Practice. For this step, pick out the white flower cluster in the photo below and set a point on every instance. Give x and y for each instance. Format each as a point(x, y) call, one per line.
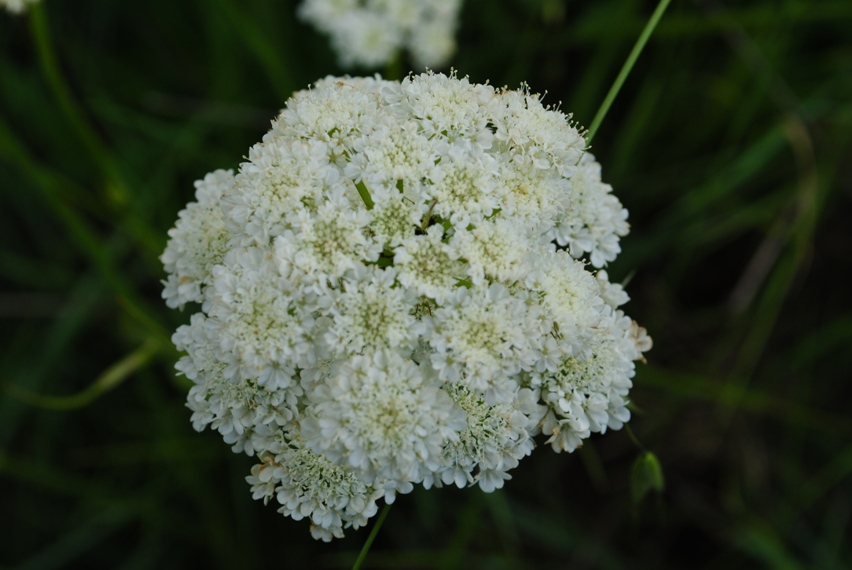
point(16, 6)
point(392, 292)
point(371, 32)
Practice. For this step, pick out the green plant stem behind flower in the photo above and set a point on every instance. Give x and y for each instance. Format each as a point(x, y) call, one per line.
point(625, 69)
point(112, 377)
point(116, 190)
point(76, 115)
point(369, 542)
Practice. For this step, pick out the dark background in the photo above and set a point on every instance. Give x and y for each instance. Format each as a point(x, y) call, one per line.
point(730, 144)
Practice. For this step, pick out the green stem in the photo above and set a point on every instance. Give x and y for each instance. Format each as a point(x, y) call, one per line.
point(393, 69)
point(633, 437)
point(116, 192)
point(365, 194)
point(626, 68)
point(80, 231)
point(257, 40)
point(74, 112)
point(111, 377)
point(371, 538)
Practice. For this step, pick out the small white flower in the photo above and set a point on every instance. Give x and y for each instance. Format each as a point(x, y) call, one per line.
point(429, 266)
point(365, 38)
point(394, 156)
point(198, 241)
point(373, 312)
point(589, 393)
point(495, 439)
point(433, 43)
point(323, 245)
point(17, 6)
point(245, 411)
point(495, 250)
point(383, 416)
point(464, 187)
point(570, 299)
point(595, 220)
point(370, 33)
point(265, 318)
point(481, 340)
point(613, 294)
point(309, 485)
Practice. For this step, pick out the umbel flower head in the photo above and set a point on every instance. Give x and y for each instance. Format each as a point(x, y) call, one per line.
point(396, 288)
point(16, 6)
point(370, 33)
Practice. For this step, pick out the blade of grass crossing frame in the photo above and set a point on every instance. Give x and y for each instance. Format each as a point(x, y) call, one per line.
point(47, 59)
point(626, 68)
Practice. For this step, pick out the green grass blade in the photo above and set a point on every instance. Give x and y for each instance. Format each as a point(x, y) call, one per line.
point(626, 68)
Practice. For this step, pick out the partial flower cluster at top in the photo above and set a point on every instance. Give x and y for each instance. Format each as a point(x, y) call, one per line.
point(16, 6)
point(396, 288)
point(371, 33)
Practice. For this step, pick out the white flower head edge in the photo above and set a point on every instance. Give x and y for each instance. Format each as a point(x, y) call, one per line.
point(396, 288)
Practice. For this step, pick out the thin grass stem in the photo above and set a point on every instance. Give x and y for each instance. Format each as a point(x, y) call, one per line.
point(111, 377)
point(393, 69)
point(373, 533)
point(87, 239)
point(76, 115)
point(626, 68)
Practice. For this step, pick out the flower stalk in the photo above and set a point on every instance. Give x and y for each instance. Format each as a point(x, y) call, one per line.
point(372, 536)
point(626, 68)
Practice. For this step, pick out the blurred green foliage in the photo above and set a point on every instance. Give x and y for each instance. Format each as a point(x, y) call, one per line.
point(730, 144)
